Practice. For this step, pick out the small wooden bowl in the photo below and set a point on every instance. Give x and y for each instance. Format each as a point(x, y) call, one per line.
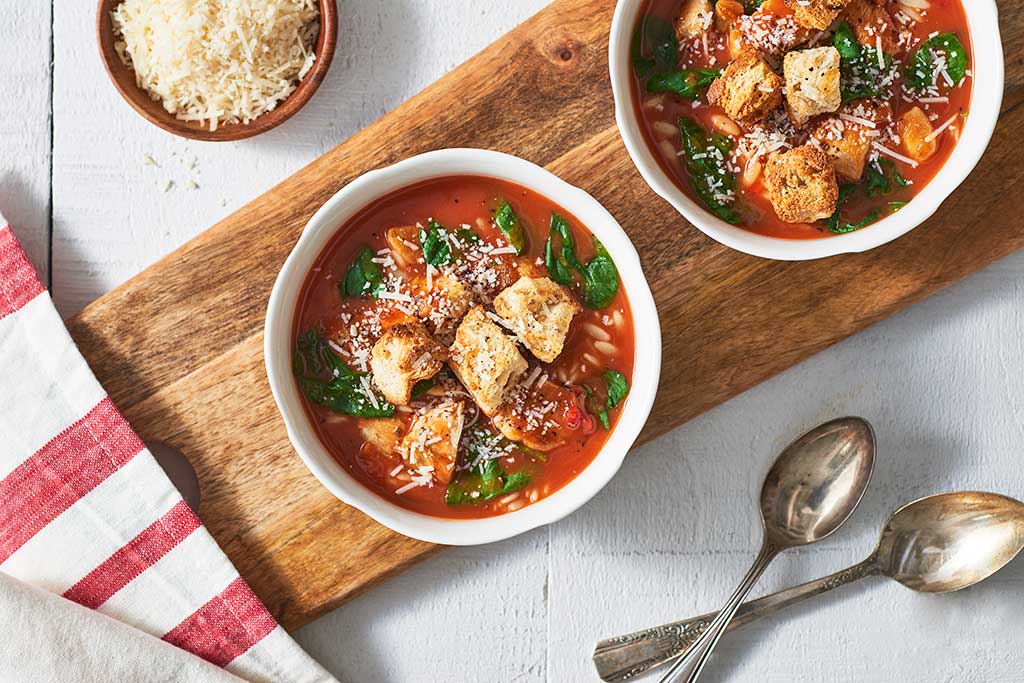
point(153, 110)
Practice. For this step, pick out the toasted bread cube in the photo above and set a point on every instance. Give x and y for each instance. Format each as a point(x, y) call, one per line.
point(404, 355)
point(816, 14)
point(486, 361)
point(812, 83)
point(748, 89)
point(802, 185)
point(915, 128)
point(539, 311)
point(848, 146)
point(433, 440)
point(694, 19)
point(872, 24)
point(444, 304)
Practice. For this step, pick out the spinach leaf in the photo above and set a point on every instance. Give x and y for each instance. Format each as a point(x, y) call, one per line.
point(560, 260)
point(836, 225)
point(705, 163)
point(896, 206)
point(751, 6)
point(877, 178)
point(510, 225)
point(919, 73)
point(618, 387)
point(655, 46)
point(860, 73)
point(363, 276)
point(325, 380)
point(852, 227)
point(689, 83)
point(602, 415)
point(434, 241)
point(482, 483)
point(422, 387)
point(600, 278)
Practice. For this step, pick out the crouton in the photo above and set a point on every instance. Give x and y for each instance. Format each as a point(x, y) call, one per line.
point(914, 127)
point(539, 311)
point(847, 144)
point(748, 89)
point(485, 360)
point(816, 14)
point(404, 355)
point(694, 19)
point(812, 83)
point(802, 185)
point(444, 304)
point(517, 419)
point(871, 24)
point(433, 440)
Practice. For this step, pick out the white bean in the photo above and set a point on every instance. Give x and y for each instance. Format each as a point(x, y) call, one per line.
point(725, 124)
point(512, 507)
point(667, 148)
point(505, 500)
point(665, 129)
point(606, 348)
point(590, 359)
point(597, 332)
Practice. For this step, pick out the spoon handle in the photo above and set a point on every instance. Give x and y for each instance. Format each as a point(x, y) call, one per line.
point(702, 649)
point(625, 657)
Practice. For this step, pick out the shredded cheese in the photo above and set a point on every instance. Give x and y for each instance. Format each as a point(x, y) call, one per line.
point(217, 61)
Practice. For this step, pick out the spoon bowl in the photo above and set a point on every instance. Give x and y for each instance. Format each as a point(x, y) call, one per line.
point(948, 542)
point(817, 482)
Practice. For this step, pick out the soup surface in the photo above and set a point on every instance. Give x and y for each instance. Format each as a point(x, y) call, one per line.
point(802, 118)
point(464, 347)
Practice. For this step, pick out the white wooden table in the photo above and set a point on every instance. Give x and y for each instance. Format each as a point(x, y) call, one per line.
point(943, 384)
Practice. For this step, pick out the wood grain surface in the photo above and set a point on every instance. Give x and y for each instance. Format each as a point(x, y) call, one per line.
point(179, 347)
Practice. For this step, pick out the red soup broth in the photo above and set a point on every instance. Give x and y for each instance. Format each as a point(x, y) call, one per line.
point(598, 340)
point(656, 111)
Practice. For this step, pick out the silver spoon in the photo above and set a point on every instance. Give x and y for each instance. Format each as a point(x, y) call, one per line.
point(812, 488)
point(934, 545)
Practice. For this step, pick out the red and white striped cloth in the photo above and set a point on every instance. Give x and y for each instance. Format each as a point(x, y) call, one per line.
point(87, 513)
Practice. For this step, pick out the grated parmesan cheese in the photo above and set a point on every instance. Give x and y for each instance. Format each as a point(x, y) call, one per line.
point(217, 61)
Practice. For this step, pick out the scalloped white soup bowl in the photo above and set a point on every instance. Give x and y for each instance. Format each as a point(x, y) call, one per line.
point(986, 98)
point(336, 213)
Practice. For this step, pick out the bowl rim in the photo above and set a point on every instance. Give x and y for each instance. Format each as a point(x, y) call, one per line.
point(319, 231)
point(152, 111)
point(986, 99)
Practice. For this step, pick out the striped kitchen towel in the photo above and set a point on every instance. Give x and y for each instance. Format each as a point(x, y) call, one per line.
point(87, 513)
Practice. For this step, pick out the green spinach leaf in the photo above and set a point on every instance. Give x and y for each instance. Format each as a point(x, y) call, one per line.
point(600, 278)
point(920, 72)
point(560, 258)
point(485, 482)
point(618, 387)
point(510, 225)
point(655, 46)
point(705, 163)
point(434, 242)
point(861, 75)
point(363, 276)
point(689, 84)
point(325, 380)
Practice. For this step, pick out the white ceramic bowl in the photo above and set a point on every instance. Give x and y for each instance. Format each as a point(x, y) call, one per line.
point(987, 95)
point(319, 231)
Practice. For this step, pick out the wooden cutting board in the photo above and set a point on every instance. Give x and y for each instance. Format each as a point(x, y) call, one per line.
point(179, 347)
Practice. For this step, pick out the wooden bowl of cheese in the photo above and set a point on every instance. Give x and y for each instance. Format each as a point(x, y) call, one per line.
point(217, 71)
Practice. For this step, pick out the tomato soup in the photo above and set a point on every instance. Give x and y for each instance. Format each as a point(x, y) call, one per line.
point(464, 347)
point(797, 121)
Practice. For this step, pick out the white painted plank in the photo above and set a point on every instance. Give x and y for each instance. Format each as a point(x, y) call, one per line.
point(25, 125)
